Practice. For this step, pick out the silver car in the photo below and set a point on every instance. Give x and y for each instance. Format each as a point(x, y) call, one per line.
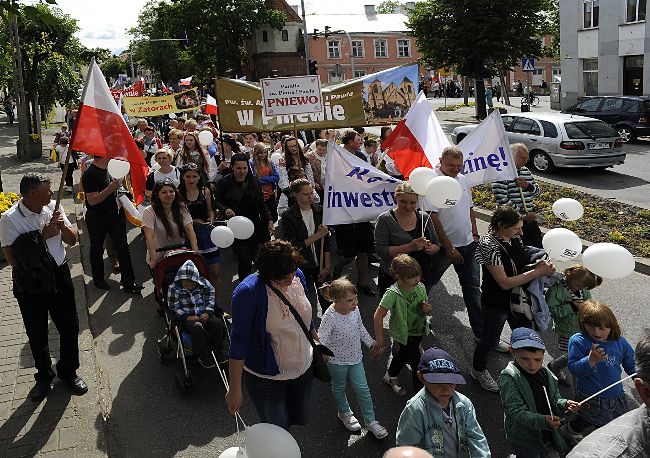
point(560, 140)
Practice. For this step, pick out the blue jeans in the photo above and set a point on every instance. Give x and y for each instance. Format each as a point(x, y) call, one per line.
point(599, 411)
point(357, 375)
point(281, 402)
point(524, 452)
point(469, 277)
point(493, 321)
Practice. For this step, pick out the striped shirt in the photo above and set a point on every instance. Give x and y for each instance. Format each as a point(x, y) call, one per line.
point(508, 193)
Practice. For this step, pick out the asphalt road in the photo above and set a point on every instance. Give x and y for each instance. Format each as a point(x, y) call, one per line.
point(148, 417)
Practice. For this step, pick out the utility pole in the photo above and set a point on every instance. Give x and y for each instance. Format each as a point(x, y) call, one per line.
point(305, 36)
point(22, 103)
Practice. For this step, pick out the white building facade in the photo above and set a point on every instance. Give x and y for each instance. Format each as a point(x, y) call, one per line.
point(604, 48)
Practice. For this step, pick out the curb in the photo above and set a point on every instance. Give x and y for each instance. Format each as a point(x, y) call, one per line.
point(642, 265)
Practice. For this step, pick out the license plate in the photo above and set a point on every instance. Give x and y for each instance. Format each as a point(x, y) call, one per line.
point(599, 145)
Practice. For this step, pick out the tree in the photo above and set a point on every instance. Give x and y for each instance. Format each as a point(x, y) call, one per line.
point(387, 7)
point(113, 66)
point(216, 32)
point(479, 37)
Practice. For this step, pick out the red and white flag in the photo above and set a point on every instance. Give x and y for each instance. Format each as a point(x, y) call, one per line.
point(186, 81)
point(100, 130)
point(210, 105)
point(165, 89)
point(418, 139)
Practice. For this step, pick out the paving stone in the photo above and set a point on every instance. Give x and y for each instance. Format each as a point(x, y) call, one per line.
point(67, 438)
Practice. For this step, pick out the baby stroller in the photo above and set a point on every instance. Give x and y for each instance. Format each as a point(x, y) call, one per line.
point(175, 338)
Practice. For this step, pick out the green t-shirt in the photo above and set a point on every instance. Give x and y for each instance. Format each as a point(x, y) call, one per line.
point(406, 319)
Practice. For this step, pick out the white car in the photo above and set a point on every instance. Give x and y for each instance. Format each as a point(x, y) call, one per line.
point(560, 140)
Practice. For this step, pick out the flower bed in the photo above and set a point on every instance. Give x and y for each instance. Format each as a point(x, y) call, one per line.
point(7, 199)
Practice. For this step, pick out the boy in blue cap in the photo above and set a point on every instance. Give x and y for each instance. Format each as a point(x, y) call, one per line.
point(438, 419)
point(530, 427)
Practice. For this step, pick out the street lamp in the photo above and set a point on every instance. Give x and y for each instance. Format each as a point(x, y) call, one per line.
point(150, 39)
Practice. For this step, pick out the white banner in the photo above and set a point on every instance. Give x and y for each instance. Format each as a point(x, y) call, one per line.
point(487, 153)
point(292, 95)
point(355, 191)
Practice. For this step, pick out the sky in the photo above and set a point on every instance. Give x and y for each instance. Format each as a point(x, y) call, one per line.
point(104, 23)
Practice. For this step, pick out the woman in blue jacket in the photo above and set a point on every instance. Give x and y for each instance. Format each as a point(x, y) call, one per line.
point(268, 348)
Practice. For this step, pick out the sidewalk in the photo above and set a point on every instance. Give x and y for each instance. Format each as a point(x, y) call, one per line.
point(62, 425)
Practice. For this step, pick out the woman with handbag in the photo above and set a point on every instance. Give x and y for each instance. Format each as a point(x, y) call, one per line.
point(503, 258)
point(271, 347)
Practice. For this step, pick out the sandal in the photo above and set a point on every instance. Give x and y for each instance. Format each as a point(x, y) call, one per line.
point(350, 421)
point(393, 382)
point(376, 429)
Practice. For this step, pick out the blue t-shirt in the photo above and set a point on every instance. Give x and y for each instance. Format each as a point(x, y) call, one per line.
point(592, 379)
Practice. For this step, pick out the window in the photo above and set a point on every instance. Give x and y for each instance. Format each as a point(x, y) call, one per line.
point(632, 107)
point(635, 10)
point(590, 76)
point(557, 72)
point(538, 72)
point(590, 13)
point(589, 130)
point(403, 48)
point(357, 48)
point(507, 122)
point(285, 35)
point(550, 130)
point(265, 36)
point(335, 77)
point(381, 48)
point(358, 73)
point(589, 106)
point(612, 105)
point(526, 126)
point(333, 49)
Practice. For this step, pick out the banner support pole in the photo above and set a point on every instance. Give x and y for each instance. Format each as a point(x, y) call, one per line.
point(218, 118)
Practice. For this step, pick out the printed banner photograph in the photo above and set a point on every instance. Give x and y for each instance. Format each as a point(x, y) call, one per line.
point(156, 106)
point(355, 191)
point(375, 99)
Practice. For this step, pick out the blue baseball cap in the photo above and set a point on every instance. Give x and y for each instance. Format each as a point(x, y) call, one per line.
point(436, 366)
point(525, 337)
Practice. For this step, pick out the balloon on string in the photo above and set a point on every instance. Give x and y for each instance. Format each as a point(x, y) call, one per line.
point(443, 192)
point(420, 178)
point(568, 209)
point(118, 168)
point(242, 227)
point(172, 115)
point(234, 452)
point(222, 236)
point(562, 244)
point(205, 137)
point(275, 158)
point(265, 440)
point(608, 260)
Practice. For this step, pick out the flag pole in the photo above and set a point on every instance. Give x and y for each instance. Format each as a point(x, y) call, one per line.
point(218, 117)
point(62, 183)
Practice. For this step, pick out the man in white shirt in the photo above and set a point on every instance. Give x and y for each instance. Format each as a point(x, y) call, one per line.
point(458, 235)
point(32, 236)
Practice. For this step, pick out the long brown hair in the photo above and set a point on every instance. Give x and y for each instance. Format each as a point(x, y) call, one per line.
point(185, 154)
point(257, 162)
point(177, 207)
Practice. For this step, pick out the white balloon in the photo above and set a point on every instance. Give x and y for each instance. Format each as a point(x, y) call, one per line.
point(420, 178)
point(443, 192)
point(222, 237)
point(241, 227)
point(265, 440)
point(205, 137)
point(275, 158)
point(561, 244)
point(118, 168)
point(608, 260)
point(301, 144)
point(568, 209)
point(234, 452)
point(172, 115)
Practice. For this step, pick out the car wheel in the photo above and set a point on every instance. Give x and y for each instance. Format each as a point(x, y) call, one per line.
point(626, 133)
point(542, 162)
point(460, 138)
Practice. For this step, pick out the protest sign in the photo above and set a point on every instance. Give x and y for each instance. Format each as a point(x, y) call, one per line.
point(292, 95)
point(156, 106)
point(355, 191)
point(376, 99)
point(487, 153)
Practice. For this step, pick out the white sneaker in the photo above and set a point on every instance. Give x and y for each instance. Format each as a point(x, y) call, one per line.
point(350, 421)
point(393, 382)
point(376, 429)
point(502, 347)
point(485, 380)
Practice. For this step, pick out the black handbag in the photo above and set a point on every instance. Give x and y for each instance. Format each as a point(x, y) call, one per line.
point(318, 364)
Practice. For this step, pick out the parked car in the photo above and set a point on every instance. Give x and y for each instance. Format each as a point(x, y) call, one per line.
point(560, 140)
point(629, 115)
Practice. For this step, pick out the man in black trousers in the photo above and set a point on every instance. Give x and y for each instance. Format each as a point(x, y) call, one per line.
point(103, 217)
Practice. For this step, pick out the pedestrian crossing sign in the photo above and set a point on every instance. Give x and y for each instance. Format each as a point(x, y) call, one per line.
point(528, 64)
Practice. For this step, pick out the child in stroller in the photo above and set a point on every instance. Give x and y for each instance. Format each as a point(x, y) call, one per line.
point(191, 298)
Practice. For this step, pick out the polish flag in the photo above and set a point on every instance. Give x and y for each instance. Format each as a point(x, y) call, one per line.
point(100, 130)
point(210, 105)
point(418, 139)
point(186, 81)
point(165, 89)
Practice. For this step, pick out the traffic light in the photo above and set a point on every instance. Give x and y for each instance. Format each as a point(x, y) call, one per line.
point(327, 31)
point(313, 70)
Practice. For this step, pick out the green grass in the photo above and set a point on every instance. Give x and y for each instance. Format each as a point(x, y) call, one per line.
point(604, 220)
